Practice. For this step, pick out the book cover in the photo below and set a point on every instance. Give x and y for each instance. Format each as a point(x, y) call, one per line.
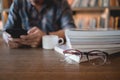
point(96, 32)
point(118, 2)
point(112, 22)
point(75, 4)
point(85, 3)
point(93, 3)
point(113, 3)
point(77, 58)
point(105, 3)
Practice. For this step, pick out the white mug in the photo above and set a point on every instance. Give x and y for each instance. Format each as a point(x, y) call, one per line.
point(50, 41)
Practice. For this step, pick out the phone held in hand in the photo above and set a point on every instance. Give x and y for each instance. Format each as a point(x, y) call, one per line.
point(16, 33)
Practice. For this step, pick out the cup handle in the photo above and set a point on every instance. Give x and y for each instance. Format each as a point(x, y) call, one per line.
point(61, 41)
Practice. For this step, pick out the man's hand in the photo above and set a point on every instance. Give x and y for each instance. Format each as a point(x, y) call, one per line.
point(11, 42)
point(34, 37)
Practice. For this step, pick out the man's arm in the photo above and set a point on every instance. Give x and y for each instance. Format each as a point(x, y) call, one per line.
point(13, 20)
point(59, 33)
point(66, 19)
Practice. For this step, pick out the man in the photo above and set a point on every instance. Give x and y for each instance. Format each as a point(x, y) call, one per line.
point(38, 17)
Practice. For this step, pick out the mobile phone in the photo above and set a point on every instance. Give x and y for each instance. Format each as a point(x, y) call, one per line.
point(16, 33)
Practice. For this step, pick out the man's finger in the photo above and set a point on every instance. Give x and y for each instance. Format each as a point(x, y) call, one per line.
point(32, 30)
point(16, 40)
point(28, 37)
point(13, 45)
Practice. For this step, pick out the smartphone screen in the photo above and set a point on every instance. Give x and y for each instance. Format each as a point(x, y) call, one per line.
point(16, 33)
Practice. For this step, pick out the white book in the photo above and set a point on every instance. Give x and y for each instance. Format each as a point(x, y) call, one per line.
point(102, 36)
point(85, 42)
point(76, 58)
point(76, 4)
point(81, 33)
point(93, 3)
point(95, 40)
point(97, 47)
point(92, 23)
point(105, 3)
point(94, 43)
point(84, 3)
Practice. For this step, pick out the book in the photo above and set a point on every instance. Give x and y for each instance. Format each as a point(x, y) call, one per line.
point(118, 2)
point(100, 3)
point(112, 22)
point(90, 20)
point(0, 6)
point(96, 32)
point(76, 4)
point(84, 20)
point(96, 47)
point(113, 3)
point(77, 58)
point(93, 3)
point(105, 3)
point(102, 22)
point(93, 39)
point(92, 23)
point(7, 3)
point(84, 3)
point(117, 22)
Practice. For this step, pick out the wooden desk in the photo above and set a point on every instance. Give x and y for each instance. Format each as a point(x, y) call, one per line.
point(39, 64)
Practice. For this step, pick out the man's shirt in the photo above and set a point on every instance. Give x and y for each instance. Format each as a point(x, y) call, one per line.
point(49, 18)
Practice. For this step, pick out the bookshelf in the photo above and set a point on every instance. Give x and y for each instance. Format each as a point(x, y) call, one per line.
point(0, 14)
point(0, 6)
point(88, 9)
point(5, 5)
point(96, 13)
point(115, 14)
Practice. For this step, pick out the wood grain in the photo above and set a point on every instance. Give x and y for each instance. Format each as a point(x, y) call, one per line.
point(39, 64)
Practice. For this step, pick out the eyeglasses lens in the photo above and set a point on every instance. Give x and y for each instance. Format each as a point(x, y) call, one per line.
point(97, 57)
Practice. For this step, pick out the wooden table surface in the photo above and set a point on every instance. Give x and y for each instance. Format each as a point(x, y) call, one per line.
point(39, 64)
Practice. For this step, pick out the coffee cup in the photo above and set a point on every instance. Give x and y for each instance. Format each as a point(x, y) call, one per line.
point(50, 41)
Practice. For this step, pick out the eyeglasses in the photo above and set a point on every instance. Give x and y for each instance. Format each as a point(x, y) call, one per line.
point(95, 57)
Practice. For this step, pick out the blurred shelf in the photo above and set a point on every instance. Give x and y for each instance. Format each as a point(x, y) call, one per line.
point(114, 8)
point(89, 9)
point(6, 10)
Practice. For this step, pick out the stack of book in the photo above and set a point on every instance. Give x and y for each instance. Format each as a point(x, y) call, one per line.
point(94, 39)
